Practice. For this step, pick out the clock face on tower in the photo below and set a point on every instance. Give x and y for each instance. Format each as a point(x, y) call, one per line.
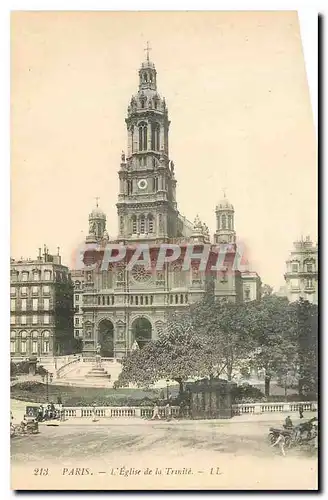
point(142, 184)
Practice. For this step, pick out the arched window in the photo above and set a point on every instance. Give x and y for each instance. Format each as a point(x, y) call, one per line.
point(150, 223)
point(155, 136)
point(143, 135)
point(224, 222)
point(142, 225)
point(103, 300)
point(146, 300)
point(134, 224)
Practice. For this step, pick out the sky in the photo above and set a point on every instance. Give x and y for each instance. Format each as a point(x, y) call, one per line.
point(238, 100)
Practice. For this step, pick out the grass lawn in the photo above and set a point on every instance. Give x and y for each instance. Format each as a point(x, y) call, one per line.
point(81, 396)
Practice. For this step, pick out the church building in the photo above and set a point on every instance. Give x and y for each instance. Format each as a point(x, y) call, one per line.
point(123, 309)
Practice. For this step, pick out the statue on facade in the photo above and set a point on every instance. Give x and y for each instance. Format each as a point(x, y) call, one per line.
point(98, 356)
point(135, 346)
point(172, 167)
point(123, 157)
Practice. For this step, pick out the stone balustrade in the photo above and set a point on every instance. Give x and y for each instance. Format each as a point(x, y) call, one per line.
point(259, 408)
point(63, 369)
point(90, 359)
point(147, 411)
point(117, 412)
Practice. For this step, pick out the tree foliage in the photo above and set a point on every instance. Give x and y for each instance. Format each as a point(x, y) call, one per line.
point(221, 338)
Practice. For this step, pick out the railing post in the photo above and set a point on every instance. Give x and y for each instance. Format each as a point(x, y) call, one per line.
point(257, 408)
point(138, 411)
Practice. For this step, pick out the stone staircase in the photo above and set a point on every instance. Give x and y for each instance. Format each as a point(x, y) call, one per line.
point(87, 373)
point(98, 372)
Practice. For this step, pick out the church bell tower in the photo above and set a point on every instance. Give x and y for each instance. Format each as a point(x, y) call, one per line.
point(146, 207)
point(225, 223)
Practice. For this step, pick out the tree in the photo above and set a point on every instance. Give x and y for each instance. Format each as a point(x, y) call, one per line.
point(223, 326)
point(206, 340)
point(266, 290)
point(174, 356)
point(272, 327)
point(306, 326)
point(77, 345)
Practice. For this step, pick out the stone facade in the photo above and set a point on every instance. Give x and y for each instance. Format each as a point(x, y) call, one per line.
point(122, 308)
point(302, 272)
point(78, 283)
point(41, 307)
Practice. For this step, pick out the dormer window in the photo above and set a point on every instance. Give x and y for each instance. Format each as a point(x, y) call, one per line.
point(295, 267)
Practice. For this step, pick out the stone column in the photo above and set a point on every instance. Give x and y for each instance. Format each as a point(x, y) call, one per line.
point(129, 141)
point(162, 139)
point(149, 136)
point(122, 186)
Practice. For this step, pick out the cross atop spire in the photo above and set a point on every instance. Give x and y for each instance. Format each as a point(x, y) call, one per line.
point(148, 49)
point(224, 192)
point(97, 198)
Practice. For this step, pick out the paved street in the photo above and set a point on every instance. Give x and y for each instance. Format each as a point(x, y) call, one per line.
point(238, 448)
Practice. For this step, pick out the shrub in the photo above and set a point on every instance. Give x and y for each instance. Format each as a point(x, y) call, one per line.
point(13, 369)
point(41, 371)
point(29, 385)
point(247, 393)
point(23, 367)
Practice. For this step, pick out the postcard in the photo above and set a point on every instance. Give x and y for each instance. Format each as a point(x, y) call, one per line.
point(164, 256)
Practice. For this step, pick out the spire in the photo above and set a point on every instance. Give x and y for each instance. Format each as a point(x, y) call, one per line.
point(148, 49)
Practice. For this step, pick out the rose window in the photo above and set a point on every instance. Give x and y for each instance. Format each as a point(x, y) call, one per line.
point(140, 274)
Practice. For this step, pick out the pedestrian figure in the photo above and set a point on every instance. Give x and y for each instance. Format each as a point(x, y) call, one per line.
point(168, 412)
point(40, 414)
point(301, 411)
point(281, 443)
point(288, 423)
point(23, 425)
point(155, 413)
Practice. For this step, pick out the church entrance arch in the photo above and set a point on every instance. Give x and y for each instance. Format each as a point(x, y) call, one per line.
point(106, 338)
point(141, 331)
